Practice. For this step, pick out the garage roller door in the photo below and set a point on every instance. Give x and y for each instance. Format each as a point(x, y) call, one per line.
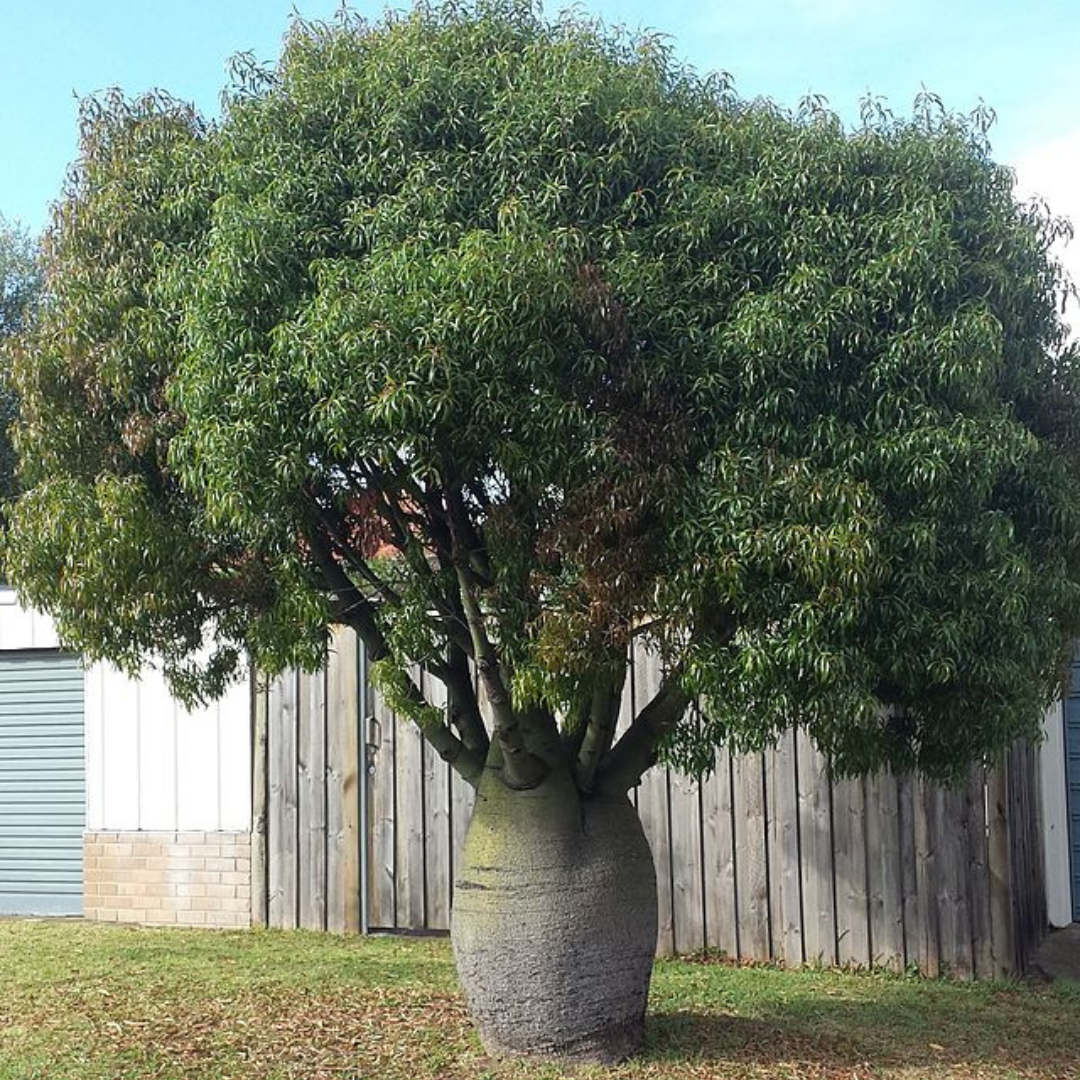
point(42, 784)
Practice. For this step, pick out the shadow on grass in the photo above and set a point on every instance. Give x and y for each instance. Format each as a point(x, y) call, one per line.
point(1033, 1034)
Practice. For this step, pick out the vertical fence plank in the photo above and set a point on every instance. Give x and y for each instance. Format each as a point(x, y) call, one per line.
point(382, 785)
point(653, 805)
point(927, 932)
point(1026, 885)
point(343, 785)
point(653, 810)
point(1025, 864)
point(311, 772)
point(721, 921)
point(282, 818)
point(687, 898)
point(260, 801)
point(978, 858)
point(1001, 914)
point(687, 871)
point(954, 897)
point(886, 891)
point(784, 856)
point(909, 886)
point(437, 819)
point(410, 812)
point(1035, 824)
point(751, 842)
point(1017, 854)
point(1037, 879)
point(942, 886)
point(852, 921)
point(816, 869)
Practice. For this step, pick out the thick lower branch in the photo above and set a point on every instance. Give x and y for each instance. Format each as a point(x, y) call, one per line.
point(467, 764)
point(405, 696)
point(354, 610)
point(521, 769)
point(463, 705)
point(600, 730)
point(576, 727)
point(349, 603)
point(636, 751)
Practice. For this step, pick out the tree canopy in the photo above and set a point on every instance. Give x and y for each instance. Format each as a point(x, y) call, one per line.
point(511, 341)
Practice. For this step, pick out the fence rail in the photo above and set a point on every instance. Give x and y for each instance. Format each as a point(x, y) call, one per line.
point(359, 824)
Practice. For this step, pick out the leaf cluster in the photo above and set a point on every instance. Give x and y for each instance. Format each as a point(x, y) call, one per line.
point(20, 290)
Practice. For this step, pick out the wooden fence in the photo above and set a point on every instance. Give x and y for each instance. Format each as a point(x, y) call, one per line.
point(358, 824)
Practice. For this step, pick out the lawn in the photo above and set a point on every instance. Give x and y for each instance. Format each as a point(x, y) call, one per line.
point(95, 1002)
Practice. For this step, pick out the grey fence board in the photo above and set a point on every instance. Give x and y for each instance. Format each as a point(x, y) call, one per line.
point(886, 894)
point(282, 813)
point(312, 796)
point(382, 845)
point(721, 923)
point(687, 869)
point(785, 887)
point(752, 865)
point(342, 723)
point(654, 806)
point(816, 869)
point(410, 838)
point(438, 878)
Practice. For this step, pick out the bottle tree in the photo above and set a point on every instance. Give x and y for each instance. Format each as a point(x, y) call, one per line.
point(511, 343)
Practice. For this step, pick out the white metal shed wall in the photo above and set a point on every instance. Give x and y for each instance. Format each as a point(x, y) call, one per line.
point(22, 628)
point(154, 766)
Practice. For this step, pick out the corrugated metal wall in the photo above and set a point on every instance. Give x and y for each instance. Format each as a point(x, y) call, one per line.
point(42, 783)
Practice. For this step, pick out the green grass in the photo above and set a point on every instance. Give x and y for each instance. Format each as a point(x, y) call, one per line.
point(88, 1002)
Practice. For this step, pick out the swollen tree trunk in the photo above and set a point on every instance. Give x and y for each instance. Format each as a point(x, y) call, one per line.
point(554, 921)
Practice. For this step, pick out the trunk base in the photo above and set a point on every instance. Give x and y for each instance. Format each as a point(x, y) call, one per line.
point(554, 922)
point(608, 1047)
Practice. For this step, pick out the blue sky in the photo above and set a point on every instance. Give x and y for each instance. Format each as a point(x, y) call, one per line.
point(1017, 55)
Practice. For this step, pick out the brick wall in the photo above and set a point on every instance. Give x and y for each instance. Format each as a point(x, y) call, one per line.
point(167, 878)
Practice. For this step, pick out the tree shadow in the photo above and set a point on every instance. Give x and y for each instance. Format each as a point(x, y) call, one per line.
point(1006, 1027)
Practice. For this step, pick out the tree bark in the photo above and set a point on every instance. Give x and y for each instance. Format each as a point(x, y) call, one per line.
point(554, 921)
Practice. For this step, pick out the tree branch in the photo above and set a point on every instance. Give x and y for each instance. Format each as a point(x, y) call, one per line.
point(411, 549)
point(463, 760)
point(600, 730)
point(635, 752)
point(352, 607)
point(356, 611)
point(334, 531)
point(463, 706)
point(464, 529)
point(521, 769)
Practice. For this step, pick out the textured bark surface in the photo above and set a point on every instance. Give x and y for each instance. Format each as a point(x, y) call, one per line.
point(554, 922)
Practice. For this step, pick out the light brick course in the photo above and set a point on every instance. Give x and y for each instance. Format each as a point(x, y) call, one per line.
point(168, 879)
